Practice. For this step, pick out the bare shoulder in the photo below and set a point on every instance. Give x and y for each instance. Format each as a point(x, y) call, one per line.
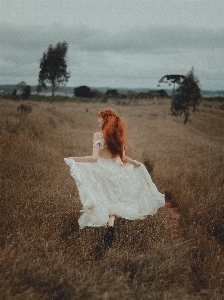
point(96, 136)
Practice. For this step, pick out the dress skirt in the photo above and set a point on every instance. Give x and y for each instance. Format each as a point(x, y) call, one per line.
point(110, 187)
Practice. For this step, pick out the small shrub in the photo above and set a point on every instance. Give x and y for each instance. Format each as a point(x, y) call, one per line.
point(24, 108)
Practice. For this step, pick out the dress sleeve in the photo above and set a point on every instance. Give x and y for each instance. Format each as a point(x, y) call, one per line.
point(96, 143)
point(96, 139)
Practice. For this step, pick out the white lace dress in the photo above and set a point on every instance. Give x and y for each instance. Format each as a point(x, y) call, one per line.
point(110, 187)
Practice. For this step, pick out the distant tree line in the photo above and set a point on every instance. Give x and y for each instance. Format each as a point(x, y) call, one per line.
point(53, 70)
point(86, 92)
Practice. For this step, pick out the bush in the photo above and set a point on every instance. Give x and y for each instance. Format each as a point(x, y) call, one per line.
point(26, 92)
point(26, 109)
point(83, 91)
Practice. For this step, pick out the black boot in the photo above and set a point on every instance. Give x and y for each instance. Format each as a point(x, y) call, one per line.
point(108, 237)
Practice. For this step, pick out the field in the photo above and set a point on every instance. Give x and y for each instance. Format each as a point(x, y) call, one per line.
point(44, 254)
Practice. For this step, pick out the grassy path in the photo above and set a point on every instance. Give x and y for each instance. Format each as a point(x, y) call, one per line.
point(172, 218)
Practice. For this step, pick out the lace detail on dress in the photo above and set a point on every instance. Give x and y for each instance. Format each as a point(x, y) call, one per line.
point(101, 141)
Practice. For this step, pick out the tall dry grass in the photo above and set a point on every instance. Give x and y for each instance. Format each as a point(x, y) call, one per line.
point(44, 254)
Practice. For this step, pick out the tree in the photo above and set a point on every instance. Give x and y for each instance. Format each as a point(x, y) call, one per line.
point(110, 93)
point(21, 86)
point(188, 95)
point(23, 90)
point(26, 92)
point(53, 67)
point(113, 93)
point(97, 94)
point(83, 91)
point(172, 79)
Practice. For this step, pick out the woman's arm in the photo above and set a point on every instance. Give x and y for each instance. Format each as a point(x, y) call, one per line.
point(128, 160)
point(93, 157)
point(132, 161)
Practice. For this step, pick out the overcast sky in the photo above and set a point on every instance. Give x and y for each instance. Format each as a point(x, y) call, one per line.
point(114, 43)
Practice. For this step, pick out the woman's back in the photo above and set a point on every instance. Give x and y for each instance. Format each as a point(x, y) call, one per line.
point(104, 151)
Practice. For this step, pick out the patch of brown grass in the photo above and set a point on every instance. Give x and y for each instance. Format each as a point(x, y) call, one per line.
point(44, 254)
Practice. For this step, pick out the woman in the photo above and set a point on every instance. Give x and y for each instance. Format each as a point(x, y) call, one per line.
point(110, 183)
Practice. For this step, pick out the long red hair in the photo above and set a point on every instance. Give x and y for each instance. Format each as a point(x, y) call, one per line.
point(114, 131)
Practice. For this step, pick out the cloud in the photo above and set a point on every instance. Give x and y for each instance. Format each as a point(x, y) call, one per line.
point(122, 55)
point(154, 39)
point(149, 38)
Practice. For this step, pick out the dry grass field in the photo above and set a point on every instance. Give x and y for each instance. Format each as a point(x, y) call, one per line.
point(44, 254)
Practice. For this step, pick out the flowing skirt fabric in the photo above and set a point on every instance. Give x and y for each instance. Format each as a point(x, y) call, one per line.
point(110, 187)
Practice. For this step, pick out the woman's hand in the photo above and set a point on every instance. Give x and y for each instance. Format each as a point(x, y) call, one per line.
point(136, 163)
